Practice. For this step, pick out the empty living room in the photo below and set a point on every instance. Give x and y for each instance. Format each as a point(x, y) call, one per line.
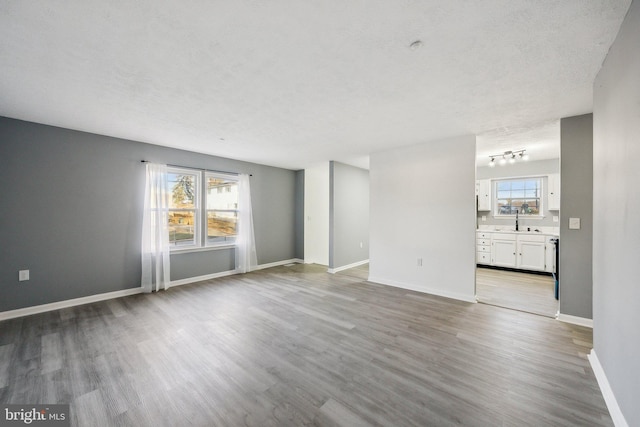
point(263, 214)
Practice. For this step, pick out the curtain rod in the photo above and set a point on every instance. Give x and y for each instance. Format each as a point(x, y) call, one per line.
point(206, 170)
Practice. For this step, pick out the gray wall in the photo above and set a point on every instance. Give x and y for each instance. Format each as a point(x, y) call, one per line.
point(616, 226)
point(348, 214)
point(72, 213)
point(576, 200)
point(520, 169)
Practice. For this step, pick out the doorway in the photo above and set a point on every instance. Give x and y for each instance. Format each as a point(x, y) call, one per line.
point(517, 216)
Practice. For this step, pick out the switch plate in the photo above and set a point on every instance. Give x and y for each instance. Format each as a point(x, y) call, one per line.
point(419, 262)
point(23, 275)
point(574, 223)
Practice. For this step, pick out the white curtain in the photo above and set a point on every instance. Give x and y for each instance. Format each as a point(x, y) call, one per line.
point(155, 230)
point(246, 259)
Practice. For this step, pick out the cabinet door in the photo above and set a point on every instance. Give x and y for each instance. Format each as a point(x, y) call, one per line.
point(531, 255)
point(553, 193)
point(484, 194)
point(503, 253)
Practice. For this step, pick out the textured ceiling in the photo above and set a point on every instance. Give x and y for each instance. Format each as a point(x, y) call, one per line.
point(289, 83)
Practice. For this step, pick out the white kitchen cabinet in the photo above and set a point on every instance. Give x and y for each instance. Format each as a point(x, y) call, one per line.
point(525, 251)
point(531, 252)
point(503, 250)
point(553, 193)
point(483, 248)
point(483, 190)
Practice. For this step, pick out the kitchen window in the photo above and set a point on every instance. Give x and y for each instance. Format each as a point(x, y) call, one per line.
point(522, 195)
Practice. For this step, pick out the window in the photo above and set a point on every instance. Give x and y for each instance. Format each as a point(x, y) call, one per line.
point(184, 206)
point(521, 195)
point(222, 209)
point(193, 224)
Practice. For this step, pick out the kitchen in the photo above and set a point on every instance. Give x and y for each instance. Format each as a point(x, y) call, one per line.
point(518, 214)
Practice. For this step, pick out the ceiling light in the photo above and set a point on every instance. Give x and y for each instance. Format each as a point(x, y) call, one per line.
point(510, 156)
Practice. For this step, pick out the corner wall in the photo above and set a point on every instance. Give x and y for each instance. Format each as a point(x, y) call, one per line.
point(349, 215)
point(576, 201)
point(423, 207)
point(616, 226)
point(316, 211)
point(72, 213)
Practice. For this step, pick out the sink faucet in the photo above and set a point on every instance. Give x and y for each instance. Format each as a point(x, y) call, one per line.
point(517, 210)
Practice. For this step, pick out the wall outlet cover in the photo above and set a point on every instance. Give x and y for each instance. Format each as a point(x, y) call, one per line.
point(23, 275)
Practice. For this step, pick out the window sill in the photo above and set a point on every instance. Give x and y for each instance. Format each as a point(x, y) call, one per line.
point(202, 249)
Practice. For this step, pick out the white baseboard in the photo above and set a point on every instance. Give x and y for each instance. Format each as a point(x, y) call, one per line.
point(36, 309)
point(607, 393)
point(439, 292)
point(278, 263)
point(20, 312)
point(201, 278)
point(346, 267)
point(581, 321)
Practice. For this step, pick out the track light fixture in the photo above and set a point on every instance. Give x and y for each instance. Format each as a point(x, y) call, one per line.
point(508, 156)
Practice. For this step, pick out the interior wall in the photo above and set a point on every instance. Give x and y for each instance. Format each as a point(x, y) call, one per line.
point(521, 169)
point(299, 200)
point(349, 215)
point(316, 211)
point(73, 201)
point(576, 201)
point(616, 226)
point(423, 208)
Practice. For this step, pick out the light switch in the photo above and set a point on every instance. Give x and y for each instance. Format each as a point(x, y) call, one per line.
point(574, 223)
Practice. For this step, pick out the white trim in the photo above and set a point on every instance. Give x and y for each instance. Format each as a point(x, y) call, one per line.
point(201, 278)
point(607, 393)
point(36, 309)
point(453, 295)
point(278, 263)
point(581, 321)
point(346, 267)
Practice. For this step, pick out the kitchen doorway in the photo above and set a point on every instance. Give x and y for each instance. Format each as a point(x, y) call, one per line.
point(517, 217)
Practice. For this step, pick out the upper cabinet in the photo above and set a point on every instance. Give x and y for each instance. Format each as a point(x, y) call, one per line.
point(553, 193)
point(483, 191)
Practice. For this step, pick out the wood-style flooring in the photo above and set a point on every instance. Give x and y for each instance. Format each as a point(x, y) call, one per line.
point(533, 293)
point(292, 346)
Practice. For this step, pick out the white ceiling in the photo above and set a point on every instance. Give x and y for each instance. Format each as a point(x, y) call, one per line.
point(290, 83)
point(541, 140)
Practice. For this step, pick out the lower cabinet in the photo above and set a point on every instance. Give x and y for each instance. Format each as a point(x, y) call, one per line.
point(503, 252)
point(511, 250)
point(531, 255)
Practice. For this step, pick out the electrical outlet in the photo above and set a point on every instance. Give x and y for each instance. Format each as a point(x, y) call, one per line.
point(419, 262)
point(23, 275)
point(360, 245)
point(484, 217)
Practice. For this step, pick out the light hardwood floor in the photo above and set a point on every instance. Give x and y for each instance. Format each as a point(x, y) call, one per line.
point(298, 346)
point(533, 293)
